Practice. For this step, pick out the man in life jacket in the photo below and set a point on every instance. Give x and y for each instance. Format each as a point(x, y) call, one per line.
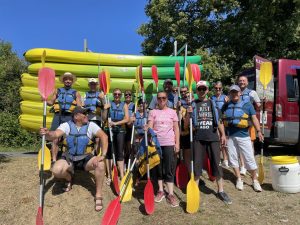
point(79, 132)
point(172, 97)
point(250, 96)
point(64, 100)
point(237, 116)
point(220, 99)
point(207, 123)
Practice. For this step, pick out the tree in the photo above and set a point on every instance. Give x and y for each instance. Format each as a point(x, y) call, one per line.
point(233, 30)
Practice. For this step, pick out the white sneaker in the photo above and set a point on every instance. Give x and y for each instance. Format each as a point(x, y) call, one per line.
point(256, 186)
point(239, 185)
point(225, 163)
point(243, 171)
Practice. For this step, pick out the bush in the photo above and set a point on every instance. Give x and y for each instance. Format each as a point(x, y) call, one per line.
point(12, 135)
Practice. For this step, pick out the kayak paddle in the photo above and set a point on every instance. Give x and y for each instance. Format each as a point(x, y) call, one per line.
point(155, 76)
point(105, 85)
point(265, 78)
point(182, 173)
point(46, 85)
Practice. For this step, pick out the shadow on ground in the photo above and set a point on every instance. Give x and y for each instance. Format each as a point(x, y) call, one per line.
point(4, 158)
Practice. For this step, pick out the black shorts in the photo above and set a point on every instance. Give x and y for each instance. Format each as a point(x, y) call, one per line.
point(167, 166)
point(185, 142)
point(80, 164)
point(118, 139)
point(128, 134)
point(212, 148)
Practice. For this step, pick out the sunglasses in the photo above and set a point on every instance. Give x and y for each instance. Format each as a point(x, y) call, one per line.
point(183, 92)
point(218, 89)
point(161, 98)
point(127, 94)
point(117, 94)
point(201, 89)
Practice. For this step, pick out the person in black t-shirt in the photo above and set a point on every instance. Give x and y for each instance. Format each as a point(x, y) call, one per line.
point(206, 122)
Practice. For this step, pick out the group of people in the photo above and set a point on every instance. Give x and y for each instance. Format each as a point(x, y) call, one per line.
point(221, 123)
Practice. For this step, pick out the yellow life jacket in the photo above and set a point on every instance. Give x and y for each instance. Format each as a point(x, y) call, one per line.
point(153, 157)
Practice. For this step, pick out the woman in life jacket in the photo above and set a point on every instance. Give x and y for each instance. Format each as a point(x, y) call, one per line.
point(220, 99)
point(138, 121)
point(64, 100)
point(164, 122)
point(118, 112)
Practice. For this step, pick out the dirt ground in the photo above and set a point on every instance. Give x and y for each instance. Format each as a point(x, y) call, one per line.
point(19, 190)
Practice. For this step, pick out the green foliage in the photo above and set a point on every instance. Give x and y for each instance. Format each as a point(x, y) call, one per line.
point(230, 31)
point(11, 68)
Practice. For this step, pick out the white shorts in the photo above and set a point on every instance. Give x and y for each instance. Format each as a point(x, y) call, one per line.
point(237, 145)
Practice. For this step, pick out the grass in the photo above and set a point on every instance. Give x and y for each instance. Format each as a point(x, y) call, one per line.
point(19, 149)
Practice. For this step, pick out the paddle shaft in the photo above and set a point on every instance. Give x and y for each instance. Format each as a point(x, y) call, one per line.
point(126, 182)
point(146, 136)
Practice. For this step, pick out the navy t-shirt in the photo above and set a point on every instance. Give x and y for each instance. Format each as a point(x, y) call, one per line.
point(237, 131)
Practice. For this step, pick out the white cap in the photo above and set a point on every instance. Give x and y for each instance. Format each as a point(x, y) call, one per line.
point(202, 83)
point(92, 80)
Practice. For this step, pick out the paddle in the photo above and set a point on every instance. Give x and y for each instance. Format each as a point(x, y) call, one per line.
point(47, 153)
point(104, 86)
point(46, 84)
point(265, 78)
point(148, 191)
point(192, 193)
point(155, 76)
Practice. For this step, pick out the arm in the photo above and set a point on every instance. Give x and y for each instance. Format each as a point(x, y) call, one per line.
point(222, 134)
point(51, 135)
point(257, 127)
point(187, 117)
point(51, 101)
point(103, 140)
point(177, 135)
point(256, 100)
point(78, 99)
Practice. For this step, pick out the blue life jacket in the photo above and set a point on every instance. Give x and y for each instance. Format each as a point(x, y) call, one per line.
point(235, 116)
point(131, 108)
point(77, 141)
point(139, 123)
point(214, 110)
point(117, 112)
point(172, 100)
point(142, 147)
point(91, 101)
point(184, 103)
point(219, 102)
point(66, 100)
point(246, 96)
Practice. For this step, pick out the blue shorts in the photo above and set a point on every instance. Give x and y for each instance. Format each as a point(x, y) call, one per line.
point(59, 119)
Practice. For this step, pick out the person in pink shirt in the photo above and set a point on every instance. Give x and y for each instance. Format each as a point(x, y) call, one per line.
point(164, 122)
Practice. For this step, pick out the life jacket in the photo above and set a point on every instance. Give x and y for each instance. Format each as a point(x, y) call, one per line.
point(172, 101)
point(91, 101)
point(139, 123)
point(235, 116)
point(78, 143)
point(246, 95)
point(117, 112)
point(154, 150)
point(219, 102)
point(184, 103)
point(65, 101)
point(131, 107)
point(215, 114)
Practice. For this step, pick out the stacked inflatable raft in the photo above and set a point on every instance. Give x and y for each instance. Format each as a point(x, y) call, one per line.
point(85, 65)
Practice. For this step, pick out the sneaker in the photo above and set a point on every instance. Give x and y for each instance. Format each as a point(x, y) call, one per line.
point(224, 197)
point(256, 186)
point(243, 171)
point(225, 164)
point(159, 196)
point(239, 185)
point(201, 182)
point(172, 201)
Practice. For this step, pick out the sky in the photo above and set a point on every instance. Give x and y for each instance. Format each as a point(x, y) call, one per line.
point(110, 26)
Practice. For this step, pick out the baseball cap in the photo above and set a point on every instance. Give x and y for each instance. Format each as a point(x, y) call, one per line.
point(234, 88)
point(168, 81)
point(202, 83)
point(79, 109)
point(92, 80)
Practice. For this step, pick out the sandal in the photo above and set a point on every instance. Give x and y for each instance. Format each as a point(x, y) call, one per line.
point(98, 206)
point(108, 181)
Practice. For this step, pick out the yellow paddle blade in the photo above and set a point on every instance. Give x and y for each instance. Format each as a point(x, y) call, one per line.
point(107, 74)
point(47, 159)
point(43, 58)
point(192, 196)
point(265, 75)
point(261, 172)
point(137, 77)
point(189, 77)
point(128, 192)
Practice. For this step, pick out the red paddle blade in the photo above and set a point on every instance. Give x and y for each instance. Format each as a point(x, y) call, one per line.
point(155, 75)
point(39, 217)
point(141, 77)
point(177, 73)
point(149, 197)
point(196, 72)
point(102, 82)
point(112, 213)
point(182, 176)
point(46, 82)
point(115, 180)
point(208, 168)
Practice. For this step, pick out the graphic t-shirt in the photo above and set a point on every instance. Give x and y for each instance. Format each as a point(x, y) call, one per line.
point(163, 125)
point(203, 119)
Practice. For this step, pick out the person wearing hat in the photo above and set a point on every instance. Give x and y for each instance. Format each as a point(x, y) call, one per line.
point(237, 117)
point(172, 97)
point(63, 101)
point(78, 132)
point(209, 132)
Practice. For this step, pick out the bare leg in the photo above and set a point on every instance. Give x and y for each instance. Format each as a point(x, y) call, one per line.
point(160, 185)
point(54, 149)
point(62, 169)
point(121, 168)
point(237, 172)
point(170, 187)
point(220, 184)
point(108, 168)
